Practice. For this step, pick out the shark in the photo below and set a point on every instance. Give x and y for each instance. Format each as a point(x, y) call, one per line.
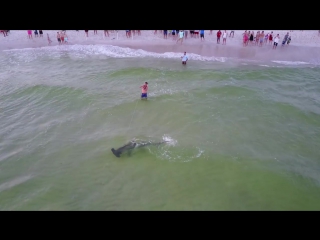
point(132, 145)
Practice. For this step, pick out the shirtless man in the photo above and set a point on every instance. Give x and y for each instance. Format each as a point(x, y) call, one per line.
point(144, 90)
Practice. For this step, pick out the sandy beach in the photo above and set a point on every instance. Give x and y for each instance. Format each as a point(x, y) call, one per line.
point(303, 47)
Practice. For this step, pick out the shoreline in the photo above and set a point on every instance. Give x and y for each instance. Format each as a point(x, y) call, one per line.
point(155, 43)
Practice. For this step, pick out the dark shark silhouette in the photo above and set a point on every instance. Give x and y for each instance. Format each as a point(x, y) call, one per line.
point(131, 145)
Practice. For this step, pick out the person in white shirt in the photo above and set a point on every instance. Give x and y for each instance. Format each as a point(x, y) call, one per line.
point(184, 58)
point(224, 37)
point(181, 33)
point(276, 41)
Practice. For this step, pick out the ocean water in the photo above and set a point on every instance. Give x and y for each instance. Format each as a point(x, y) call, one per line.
point(242, 135)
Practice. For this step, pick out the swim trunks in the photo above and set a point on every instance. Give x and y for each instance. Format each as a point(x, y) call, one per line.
point(144, 95)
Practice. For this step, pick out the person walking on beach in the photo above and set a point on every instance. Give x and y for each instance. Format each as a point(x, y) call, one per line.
point(232, 32)
point(184, 58)
point(41, 33)
point(202, 35)
point(181, 33)
point(218, 36)
point(86, 31)
point(36, 33)
point(49, 40)
point(276, 41)
point(106, 33)
point(144, 90)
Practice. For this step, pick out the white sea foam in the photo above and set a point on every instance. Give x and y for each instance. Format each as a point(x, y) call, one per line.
point(82, 51)
point(264, 65)
point(170, 140)
point(291, 62)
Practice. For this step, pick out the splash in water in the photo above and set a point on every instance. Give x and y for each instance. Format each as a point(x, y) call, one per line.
point(170, 141)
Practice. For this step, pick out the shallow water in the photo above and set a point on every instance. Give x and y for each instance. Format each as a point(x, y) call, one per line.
point(243, 135)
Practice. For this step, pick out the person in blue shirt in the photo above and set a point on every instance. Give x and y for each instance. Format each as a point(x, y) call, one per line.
point(201, 35)
point(184, 58)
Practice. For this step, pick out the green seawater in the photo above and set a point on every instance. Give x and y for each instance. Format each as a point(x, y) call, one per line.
point(242, 136)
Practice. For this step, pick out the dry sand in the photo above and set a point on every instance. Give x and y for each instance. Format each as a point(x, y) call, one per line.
point(303, 47)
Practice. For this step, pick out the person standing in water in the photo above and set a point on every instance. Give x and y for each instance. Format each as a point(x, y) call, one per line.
point(184, 58)
point(144, 90)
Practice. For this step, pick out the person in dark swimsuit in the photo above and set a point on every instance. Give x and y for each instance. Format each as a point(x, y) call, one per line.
point(251, 38)
point(36, 33)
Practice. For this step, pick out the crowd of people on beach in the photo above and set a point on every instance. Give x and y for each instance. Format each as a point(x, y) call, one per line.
point(36, 33)
point(250, 38)
point(62, 37)
point(260, 39)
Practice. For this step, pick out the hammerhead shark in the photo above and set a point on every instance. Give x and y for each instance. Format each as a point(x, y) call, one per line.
point(131, 145)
